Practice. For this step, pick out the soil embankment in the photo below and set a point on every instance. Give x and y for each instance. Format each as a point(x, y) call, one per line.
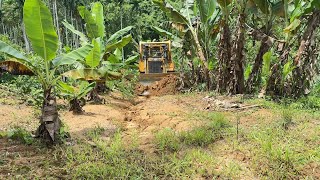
point(168, 85)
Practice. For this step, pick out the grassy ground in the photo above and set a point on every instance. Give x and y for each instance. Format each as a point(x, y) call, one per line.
point(270, 142)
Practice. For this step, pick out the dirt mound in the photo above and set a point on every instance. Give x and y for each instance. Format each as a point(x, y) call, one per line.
point(168, 85)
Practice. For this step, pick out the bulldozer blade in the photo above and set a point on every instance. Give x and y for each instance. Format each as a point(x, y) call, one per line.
point(147, 79)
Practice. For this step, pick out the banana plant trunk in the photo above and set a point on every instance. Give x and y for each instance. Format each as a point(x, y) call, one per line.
point(94, 95)
point(203, 60)
point(236, 83)
point(224, 55)
point(306, 58)
point(276, 85)
point(254, 79)
point(75, 106)
point(50, 123)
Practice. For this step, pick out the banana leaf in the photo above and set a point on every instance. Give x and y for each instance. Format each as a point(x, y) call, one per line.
point(206, 9)
point(39, 28)
point(9, 50)
point(66, 88)
point(85, 88)
point(293, 26)
point(114, 37)
point(83, 38)
point(94, 57)
point(172, 13)
point(16, 67)
point(91, 25)
point(97, 14)
point(120, 44)
point(19, 64)
point(74, 56)
point(86, 74)
point(163, 32)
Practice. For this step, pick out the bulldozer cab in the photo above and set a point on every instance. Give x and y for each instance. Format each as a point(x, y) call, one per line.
point(155, 58)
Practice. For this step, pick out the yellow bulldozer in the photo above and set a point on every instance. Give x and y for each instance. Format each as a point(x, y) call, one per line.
point(155, 61)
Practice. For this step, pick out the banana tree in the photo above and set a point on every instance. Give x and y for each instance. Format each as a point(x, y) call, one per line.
point(93, 68)
point(236, 83)
point(44, 40)
point(301, 79)
point(200, 30)
point(75, 94)
point(305, 60)
point(270, 10)
point(224, 52)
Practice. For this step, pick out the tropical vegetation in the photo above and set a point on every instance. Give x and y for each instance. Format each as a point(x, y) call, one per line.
point(246, 104)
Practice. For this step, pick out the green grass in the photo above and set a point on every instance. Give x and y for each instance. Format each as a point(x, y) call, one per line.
point(18, 134)
point(167, 139)
point(286, 119)
point(282, 153)
point(208, 133)
point(283, 148)
point(214, 127)
point(114, 160)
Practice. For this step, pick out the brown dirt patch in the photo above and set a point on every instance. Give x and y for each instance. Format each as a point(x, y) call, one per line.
point(168, 85)
point(157, 113)
point(257, 117)
point(103, 116)
point(312, 169)
point(14, 115)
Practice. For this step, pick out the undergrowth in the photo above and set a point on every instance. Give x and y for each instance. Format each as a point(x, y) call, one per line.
point(119, 160)
point(285, 147)
point(214, 128)
point(281, 149)
point(18, 134)
point(25, 87)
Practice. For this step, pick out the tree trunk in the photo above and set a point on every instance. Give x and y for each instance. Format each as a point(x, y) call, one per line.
point(236, 83)
point(306, 59)
point(203, 60)
point(254, 79)
point(66, 30)
point(26, 42)
point(76, 107)
point(56, 18)
point(50, 123)
point(224, 55)
point(275, 84)
point(94, 95)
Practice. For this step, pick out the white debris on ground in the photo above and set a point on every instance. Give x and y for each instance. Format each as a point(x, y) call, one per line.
point(227, 104)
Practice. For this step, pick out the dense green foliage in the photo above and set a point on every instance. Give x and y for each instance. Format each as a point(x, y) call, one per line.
point(207, 34)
